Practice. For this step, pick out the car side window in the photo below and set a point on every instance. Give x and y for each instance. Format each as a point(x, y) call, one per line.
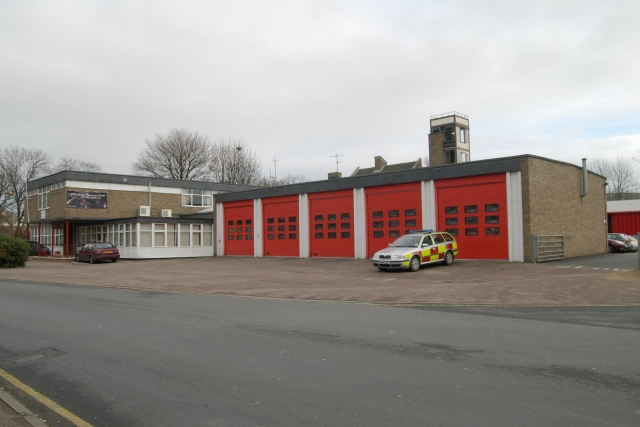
point(448, 237)
point(437, 238)
point(427, 241)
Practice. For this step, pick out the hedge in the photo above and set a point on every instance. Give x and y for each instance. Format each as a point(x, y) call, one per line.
point(14, 252)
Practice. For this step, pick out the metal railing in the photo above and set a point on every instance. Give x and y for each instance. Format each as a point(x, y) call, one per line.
point(451, 113)
point(547, 247)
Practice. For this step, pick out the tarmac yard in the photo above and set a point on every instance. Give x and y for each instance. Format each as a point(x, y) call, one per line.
point(576, 282)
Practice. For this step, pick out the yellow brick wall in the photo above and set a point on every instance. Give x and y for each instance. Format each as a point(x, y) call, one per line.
point(552, 205)
point(120, 204)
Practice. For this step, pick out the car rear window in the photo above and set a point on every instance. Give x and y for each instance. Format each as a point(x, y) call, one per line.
point(448, 237)
point(103, 245)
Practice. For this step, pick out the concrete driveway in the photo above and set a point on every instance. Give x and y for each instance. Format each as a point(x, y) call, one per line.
point(465, 282)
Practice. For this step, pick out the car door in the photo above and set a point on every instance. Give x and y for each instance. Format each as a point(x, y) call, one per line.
point(428, 249)
point(84, 252)
point(440, 246)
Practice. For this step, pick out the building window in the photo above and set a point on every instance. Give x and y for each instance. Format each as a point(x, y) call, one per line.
point(345, 216)
point(193, 197)
point(463, 157)
point(493, 219)
point(491, 207)
point(492, 231)
point(345, 235)
point(471, 220)
point(449, 157)
point(394, 233)
point(452, 231)
point(451, 221)
point(463, 136)
point(470, 231)
point(451, 210)
point(331, 217)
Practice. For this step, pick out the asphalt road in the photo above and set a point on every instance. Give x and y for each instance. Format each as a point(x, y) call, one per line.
point(611, 261)
point(131, 358)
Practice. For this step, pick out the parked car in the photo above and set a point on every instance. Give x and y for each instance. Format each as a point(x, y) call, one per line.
point(634, 244)
point(419, 247)
point(619, 242)
point(98, 251)
point(33, 249)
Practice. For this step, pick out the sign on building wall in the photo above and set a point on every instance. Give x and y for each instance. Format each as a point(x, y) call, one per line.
point(86, 200)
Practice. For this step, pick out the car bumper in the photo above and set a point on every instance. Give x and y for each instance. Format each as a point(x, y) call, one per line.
point(107, 257)
point(395, 264)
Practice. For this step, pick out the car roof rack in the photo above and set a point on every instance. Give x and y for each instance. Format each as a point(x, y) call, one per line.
point(420, 231)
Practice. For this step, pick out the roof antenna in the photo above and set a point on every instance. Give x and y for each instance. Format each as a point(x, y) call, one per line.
point(275, 171)
point(337, 156)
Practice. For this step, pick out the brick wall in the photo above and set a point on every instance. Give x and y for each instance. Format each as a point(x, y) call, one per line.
point(552, 205)
point(120, 204)
point(436, 149)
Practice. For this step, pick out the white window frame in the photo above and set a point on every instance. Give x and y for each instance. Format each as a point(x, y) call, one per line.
point(189, 194)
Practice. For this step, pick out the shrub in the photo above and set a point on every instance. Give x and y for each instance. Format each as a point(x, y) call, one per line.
point(14, 252)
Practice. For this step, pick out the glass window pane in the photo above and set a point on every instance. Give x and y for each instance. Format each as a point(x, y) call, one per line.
point(394, 214)
point(471, 209)
point(451, 210)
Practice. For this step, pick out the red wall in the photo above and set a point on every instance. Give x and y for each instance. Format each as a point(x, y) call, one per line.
point(391, 210)
point(474, 210)
point(625, 222)
point(238, 230)
point(280, 222)
point(331, 224)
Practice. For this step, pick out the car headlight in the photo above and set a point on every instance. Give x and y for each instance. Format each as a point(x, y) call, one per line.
point(376, 256)
point(397, 257)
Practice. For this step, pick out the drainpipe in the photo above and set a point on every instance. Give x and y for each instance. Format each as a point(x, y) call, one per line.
point(585, 183)
point(149, 195)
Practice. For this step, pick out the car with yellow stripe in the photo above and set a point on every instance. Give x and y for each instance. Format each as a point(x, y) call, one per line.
point(417, 248)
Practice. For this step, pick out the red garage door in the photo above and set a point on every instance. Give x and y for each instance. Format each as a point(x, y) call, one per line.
point(392, 211)
point(280, 225)
point(624, 222)
point(474, 210)
point(331, 224)
point(238, 217)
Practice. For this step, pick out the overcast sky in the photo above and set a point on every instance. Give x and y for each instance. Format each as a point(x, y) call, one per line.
point(305, 80)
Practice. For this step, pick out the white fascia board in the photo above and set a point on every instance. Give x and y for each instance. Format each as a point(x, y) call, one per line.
point(623, 206)
point(121, 187)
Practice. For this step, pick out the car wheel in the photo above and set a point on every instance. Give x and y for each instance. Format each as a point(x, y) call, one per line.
point(414, 264)
point(448, 258)
point(91, 259)
point(611, 249)
point(114, 260)
point(77, 258)
point(383, 268)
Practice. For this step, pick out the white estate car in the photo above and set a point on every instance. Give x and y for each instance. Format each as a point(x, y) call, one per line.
point(417, 248)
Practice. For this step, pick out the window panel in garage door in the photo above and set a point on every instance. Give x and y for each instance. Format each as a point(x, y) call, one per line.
point(474, 211)
point(280, 226)
point(238, 230)
point(331, 224)
point(392, 211)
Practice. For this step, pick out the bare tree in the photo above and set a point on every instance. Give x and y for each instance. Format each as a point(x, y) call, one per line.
point(179, 154)
point(234, 162)
point(69, 164)
point(622, 184)
point(286, 180)
point(17, 166)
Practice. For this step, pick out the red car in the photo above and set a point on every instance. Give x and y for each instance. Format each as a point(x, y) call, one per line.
point(98, 251)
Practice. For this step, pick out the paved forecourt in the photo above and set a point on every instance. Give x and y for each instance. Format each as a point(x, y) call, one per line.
point(465, 282)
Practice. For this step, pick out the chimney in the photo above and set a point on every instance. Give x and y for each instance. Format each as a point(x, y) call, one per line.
point(334, 175)
point(380, 163)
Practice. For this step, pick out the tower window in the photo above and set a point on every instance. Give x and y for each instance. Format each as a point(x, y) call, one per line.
point(449, 157)
point(462, 135)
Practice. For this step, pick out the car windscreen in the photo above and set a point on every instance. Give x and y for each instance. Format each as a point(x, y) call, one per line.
point(407, 242)
point(103, 245)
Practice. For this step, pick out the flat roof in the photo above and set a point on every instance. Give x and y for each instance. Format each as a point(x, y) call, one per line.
point(109, 178)
point(427, 173)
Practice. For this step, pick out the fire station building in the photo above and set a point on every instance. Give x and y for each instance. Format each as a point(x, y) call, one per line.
point(512, 209)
